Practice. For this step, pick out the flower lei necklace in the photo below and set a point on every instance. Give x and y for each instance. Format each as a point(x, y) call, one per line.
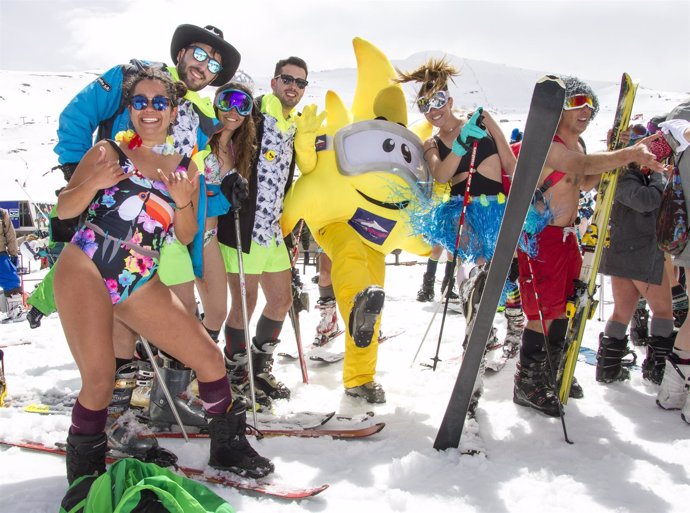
point(133, 141)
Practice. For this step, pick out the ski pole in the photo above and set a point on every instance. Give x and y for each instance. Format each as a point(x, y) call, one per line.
point(245, 315)
point(456, 250)
point(163, 385)
point(547, 349)
point(294, 315)
point(431, 322)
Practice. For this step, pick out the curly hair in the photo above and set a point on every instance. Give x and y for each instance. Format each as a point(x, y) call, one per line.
point(434, 75)
point(175, 89)
point(243, 140)
point(575, 86)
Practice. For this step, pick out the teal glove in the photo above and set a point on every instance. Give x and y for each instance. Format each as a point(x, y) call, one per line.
point(471, 130)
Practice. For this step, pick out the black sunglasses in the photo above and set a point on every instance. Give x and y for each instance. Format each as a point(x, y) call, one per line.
point(289, 79)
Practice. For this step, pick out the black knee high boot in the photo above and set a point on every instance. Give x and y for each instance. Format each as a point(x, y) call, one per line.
point(85, 455)
point(610, 359)
point(657, 350)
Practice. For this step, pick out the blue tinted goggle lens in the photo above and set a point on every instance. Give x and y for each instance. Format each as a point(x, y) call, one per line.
point(213, 65)
point(234, 99)
point(140, 102)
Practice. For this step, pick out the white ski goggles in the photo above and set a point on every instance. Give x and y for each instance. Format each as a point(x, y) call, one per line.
point(383, 146)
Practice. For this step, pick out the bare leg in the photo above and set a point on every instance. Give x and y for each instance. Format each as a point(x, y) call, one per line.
point(251, 281)
point(277, 289)
point(185, 291)
point(159, 315)
point(212, 289)
point(89, 331)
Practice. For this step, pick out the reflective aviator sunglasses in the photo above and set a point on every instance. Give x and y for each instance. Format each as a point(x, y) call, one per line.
point(229, 99)
point(437, 101)
point(140, 102)
point(201, 55)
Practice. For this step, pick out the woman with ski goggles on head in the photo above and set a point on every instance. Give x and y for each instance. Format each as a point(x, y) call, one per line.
point(135, 194)
point(227, 160)
point(450, 152)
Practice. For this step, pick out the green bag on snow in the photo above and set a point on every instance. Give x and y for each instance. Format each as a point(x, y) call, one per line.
point(131, 486)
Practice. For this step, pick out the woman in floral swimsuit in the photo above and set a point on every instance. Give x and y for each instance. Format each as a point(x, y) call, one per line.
point(134, 195)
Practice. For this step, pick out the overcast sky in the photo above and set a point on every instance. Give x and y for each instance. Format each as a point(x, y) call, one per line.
point(594, 39)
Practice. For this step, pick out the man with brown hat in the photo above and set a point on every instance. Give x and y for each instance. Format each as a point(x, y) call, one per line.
point(202, 57)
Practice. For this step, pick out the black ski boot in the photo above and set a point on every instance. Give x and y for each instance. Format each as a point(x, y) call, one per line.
point(532, 386)
point(34, 317)
point(85, 455)
point(365, 312)
point(610, 359)
point(371, 392)
point(177, 378)
point(639, 325)
point(426, 293)
point(238, 373)
point(230, 449)
point(123, 430)
point(657, 350)
point(516, 326)
point(558, 355)
point(452, 296)
point(262, 363)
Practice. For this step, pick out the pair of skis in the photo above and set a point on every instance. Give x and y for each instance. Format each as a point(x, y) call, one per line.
point(300, 424)
point(207, 475)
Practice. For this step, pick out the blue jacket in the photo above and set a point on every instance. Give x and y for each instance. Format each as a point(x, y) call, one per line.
point(99, 107)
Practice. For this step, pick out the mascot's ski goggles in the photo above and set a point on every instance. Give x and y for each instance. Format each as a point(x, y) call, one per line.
point(383, 146)
point(234, 99)
point(201, 55)
point(289, 79)
point(140, 102)
point(578, 101)
point(438, 100)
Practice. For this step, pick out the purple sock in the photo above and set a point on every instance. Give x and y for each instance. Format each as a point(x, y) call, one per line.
point(87, 422)
point(215, 395)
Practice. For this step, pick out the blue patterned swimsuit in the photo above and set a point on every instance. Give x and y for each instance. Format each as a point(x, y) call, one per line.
point(125, 227)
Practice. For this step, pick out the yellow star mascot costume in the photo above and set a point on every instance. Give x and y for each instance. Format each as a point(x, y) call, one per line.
point(367, 168)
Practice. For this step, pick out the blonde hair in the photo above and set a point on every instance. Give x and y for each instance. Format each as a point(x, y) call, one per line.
point(434, 75)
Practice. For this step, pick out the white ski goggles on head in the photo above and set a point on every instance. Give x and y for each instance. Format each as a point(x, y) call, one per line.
point(438, 100)
point(383, 146)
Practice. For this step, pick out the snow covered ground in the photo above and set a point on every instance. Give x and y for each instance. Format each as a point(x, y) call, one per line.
point(628, 456)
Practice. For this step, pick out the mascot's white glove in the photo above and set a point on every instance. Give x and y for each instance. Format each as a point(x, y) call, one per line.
point(678, 128)
point(307, 126)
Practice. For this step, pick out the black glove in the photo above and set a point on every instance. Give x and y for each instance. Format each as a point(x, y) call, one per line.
point(235, 188)
point(68, 170)
point(15, 260)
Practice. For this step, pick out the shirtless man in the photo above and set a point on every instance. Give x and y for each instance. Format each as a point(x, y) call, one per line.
point(568, 170)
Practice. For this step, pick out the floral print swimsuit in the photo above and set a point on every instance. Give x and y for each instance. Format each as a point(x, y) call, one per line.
point(125, 227)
